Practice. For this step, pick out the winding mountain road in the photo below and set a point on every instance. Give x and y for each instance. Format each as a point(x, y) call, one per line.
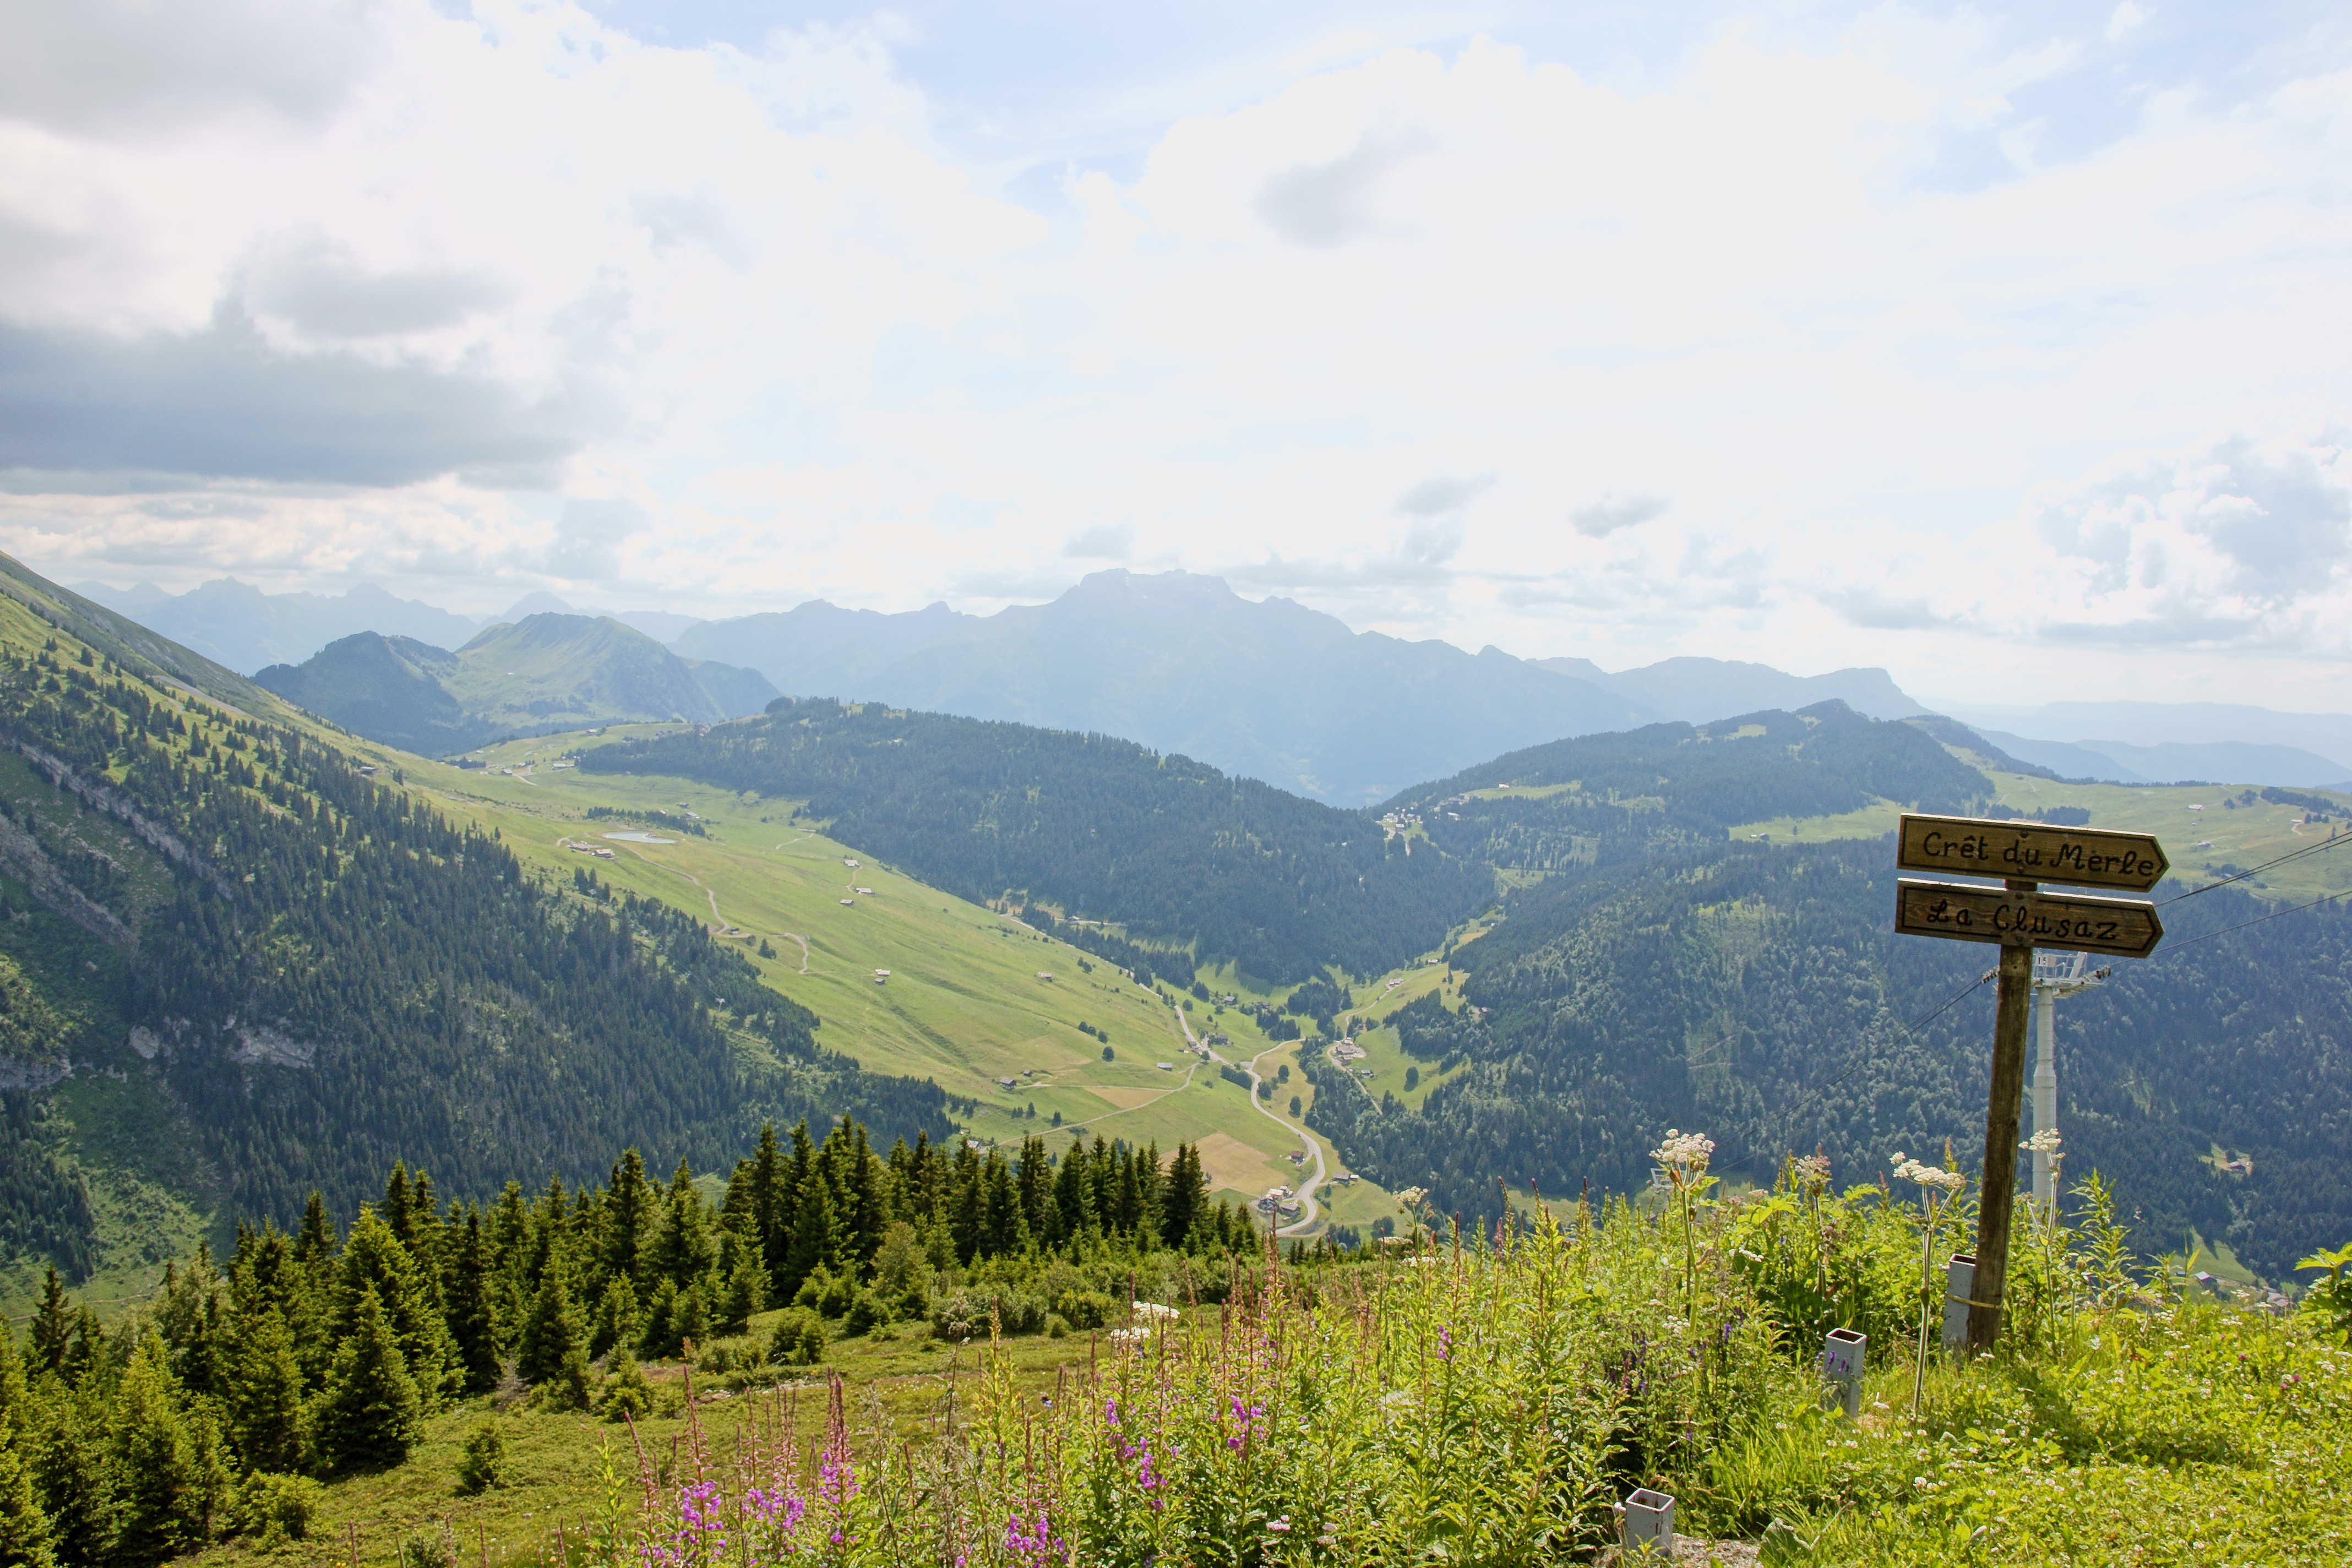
point(1309, 1213)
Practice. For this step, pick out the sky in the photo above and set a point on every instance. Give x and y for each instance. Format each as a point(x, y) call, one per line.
point(2005, 349)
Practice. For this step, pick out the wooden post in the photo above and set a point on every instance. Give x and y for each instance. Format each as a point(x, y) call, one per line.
point(1996, 1190)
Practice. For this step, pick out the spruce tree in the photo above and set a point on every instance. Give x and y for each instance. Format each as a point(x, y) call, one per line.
point(75, 1477)
point(618, 1320)
point(553, 1330)
point(53, 1326)
point(376, 1263)
point(746, 1291)
point(626, 1393)
point(684, 1252)
point(811, 1245)
point(265, 1399)
point(370, 1414)
point(154, 1461)
point(26, 1538)
point(630, 1204)
point(473, 1325)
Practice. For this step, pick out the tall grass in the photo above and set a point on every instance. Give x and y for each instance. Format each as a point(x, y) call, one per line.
point(1488, 1399)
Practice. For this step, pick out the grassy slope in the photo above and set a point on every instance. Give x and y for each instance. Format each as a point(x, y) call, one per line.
point(963, 1005)
point(2197, 842)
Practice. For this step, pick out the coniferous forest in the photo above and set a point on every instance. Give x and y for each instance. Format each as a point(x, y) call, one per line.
point(314, 1352)
point(1758, 994)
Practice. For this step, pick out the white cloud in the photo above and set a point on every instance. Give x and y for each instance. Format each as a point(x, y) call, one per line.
point(1843, 295)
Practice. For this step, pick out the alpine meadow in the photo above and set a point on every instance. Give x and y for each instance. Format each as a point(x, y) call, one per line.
point(996, 786)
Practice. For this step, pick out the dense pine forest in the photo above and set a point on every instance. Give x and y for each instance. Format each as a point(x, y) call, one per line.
point(1176, 852)
point(319, 974)
point(1758, 994)
point(317, 1352)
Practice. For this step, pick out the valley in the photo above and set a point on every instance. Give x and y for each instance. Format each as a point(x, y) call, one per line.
point(964, 1002)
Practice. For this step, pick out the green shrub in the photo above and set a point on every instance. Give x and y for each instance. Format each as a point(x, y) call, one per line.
point(483, 1464)
point(827, 1293)
point(867, 1312)
point(626, 1394)
point(279, 1508)
point(798, 1338)
point(1083, 1309)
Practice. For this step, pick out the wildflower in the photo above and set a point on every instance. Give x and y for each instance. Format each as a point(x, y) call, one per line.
point(1809, 1170)
point(1942, 1181)
point(1684, 1151)
point(1280, 1525)
point(2043, 1143)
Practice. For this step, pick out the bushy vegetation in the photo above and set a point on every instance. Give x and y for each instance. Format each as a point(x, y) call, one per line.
point(1177, 853)
point(1488, 1400)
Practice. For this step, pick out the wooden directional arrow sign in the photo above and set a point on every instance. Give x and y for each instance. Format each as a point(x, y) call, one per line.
point(1967, 912)
point(2030, 851)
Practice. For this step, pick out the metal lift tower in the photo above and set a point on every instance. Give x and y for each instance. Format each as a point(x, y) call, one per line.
point(2056, 976)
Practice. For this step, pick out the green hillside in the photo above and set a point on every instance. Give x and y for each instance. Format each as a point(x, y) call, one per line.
point(242, 964)
point(542, 673)
point(1202, 868)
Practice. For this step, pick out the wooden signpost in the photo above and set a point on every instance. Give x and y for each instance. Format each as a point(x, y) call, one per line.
point(2020, 917)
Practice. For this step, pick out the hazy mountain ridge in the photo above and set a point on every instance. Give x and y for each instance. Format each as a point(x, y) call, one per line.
point(546, 672)
point(1695, 691)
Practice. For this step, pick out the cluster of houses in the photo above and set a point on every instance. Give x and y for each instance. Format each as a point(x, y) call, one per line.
point(598, 850)
point(1278, 1201)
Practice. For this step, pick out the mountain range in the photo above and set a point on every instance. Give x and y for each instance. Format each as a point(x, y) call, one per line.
point(238, 961)
point(1268, 689)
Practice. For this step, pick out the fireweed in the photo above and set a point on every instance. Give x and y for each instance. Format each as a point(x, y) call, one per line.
point(1487, 1404)
point(1484, 1402)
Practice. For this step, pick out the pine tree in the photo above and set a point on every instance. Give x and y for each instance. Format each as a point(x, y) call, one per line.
point(473, 1325)
point(265, 1400)
point(370, 1414)
point(376, 1263)
point(629, 1215)
point(53, 1326)
point(691, 1319)
point(553, 1329)
point(155, 1462)
point(75, 1478)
